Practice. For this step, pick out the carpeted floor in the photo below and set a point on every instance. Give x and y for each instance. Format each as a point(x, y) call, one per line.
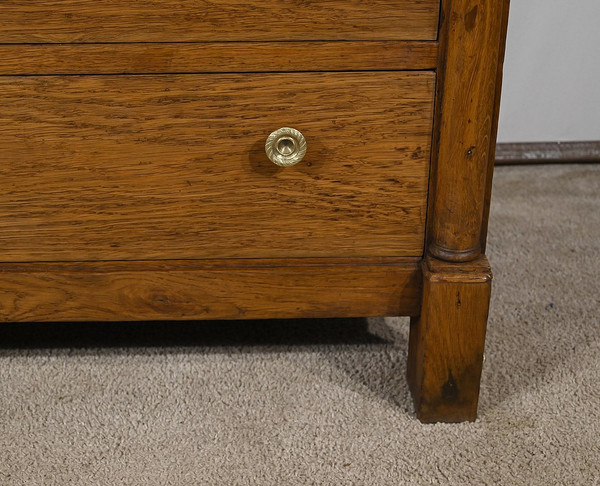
point(326, 402)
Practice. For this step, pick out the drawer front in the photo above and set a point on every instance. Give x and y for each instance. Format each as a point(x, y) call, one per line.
point(26, 21)
point(174, 166)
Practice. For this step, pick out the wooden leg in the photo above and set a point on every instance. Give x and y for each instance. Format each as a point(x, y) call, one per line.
point(447, 340)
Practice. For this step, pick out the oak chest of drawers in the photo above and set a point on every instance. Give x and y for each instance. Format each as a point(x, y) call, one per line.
point(182, 159)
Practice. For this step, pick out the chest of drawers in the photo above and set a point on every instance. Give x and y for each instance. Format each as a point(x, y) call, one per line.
point(182, 159)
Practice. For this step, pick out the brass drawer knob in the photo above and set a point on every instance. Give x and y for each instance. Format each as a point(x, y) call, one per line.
point(285, 147)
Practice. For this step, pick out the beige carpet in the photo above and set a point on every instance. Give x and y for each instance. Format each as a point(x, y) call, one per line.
point(325, 402)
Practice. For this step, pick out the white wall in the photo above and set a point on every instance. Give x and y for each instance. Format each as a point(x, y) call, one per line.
point(551, 89)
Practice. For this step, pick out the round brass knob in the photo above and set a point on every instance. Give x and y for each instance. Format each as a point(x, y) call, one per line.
point(285, 147)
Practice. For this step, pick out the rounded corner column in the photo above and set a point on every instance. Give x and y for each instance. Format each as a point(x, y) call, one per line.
point(447, 339)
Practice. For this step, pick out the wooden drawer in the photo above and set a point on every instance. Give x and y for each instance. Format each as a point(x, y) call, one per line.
point(88, 21)
point(174, 166)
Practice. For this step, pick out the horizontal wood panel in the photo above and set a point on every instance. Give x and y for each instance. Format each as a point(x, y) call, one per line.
point(207, 57)
point(66, 21)
point(208, 290)
point(173, 167)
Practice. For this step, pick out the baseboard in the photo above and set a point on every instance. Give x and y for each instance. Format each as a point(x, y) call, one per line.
point(547, 153)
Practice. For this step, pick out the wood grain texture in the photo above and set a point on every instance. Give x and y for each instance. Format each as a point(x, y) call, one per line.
point(471, 43)
point(179, 290)
point(173, 167)
point(447, 340)
point(216, 57)
point(495, 118)
point(66, 21)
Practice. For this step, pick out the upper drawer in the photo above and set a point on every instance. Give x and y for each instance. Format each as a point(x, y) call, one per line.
point(65, 21)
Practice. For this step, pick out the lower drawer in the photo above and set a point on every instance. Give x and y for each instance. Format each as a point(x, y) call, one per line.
point(174, 166)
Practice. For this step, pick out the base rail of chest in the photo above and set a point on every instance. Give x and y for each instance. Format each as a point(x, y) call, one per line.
point(210, 289)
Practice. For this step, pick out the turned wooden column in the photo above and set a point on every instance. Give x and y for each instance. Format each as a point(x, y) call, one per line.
point(472, 41)
point(447, 339)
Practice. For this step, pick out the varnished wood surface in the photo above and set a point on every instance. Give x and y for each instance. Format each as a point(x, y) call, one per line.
point(173, 167)
point(179, 290)
point(471, 41)
point(476, 271)
point(56, 21)
point(495, 119)
point(219, 57)
point(447, 340)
